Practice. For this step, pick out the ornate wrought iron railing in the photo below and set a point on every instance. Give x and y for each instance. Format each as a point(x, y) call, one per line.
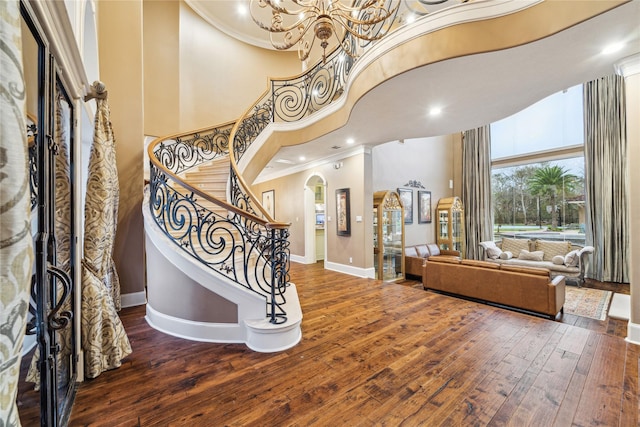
point(238, 238)
point(230, 241)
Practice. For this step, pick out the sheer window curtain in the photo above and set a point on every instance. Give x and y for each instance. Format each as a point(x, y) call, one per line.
point(606, 178)
point(476, 189)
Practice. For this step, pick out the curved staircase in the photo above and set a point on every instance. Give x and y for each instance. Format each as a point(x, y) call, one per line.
point(217, 263)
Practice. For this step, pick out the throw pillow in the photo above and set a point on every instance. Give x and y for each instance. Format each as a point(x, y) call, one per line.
point(494, 253)
point(558, 260)
point(571, 259)
point(488, 244)
point(514, 245)
point(531, 256)
point(551, 248)
point(506, 255)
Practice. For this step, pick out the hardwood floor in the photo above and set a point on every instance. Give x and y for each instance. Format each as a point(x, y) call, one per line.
point(375, 353)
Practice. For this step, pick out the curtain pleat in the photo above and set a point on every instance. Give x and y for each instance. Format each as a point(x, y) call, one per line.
point(476, 189)
point(104, 340)
point(16, 254)
point(606, 179)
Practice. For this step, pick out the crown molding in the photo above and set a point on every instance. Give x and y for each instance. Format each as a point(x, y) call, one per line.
point(628, 66)
point(57, 30)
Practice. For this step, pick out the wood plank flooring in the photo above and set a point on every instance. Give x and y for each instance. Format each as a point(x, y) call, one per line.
point(375, 353)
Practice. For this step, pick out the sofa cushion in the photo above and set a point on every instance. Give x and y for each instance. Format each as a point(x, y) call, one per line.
point(571, 259)
point(531, 256)
point(514, 245)
point(434, 249)
point(484, 264)
point(552, 249)
point(506, 255)
point(410, 251)
point(527, 270)
point(494, 252)
point(423, 251)
point(558, 260)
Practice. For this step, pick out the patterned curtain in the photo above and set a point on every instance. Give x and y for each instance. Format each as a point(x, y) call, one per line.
point(104, 340)
point(606, 179)
point(476, 189)
point(16, 254)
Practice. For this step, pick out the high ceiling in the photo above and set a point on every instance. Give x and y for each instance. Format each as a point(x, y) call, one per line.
point(472, 91)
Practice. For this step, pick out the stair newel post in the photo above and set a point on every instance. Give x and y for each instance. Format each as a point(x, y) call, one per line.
point(274, 264)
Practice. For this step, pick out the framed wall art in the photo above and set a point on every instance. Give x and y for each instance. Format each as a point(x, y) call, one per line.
point(406, 195)
point(269, 202)
point(343, 212)
point(424, 207)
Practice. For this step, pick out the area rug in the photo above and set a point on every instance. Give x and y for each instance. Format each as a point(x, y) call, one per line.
point(585, 302)
point(620, 307)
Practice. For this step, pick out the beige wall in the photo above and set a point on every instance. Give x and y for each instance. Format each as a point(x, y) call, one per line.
point(197, 76)
point(161, 67)
point(121, 69)
point(355, 174)
point(432, 162)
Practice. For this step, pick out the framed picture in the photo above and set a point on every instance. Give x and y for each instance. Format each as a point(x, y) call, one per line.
point(406, 195)
point(424, 207)
point(269, 202)
point(343, 212)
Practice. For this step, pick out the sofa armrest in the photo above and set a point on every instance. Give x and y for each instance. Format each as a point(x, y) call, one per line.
point(449, 252)
point(556, 299)
point(583, 260)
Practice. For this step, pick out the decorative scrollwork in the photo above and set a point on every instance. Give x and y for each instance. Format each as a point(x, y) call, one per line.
point(186, 152)
point(33, 174)
point(317, 88)
point(229, 244)
point(59, 318)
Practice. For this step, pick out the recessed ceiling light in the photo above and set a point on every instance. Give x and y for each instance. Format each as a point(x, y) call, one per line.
point(350, 141)
point(302, 158)
point(411, 19)
point(242, 9)
point(612, 48)
point(435, 111)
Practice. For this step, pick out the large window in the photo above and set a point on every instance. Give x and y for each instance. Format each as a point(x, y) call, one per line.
point(538, 169)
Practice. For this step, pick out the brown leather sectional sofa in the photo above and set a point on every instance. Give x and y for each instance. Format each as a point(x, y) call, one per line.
point(416, 256)
point(524, 288)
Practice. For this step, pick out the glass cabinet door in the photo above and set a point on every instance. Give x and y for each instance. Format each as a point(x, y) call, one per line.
point(388, 236)
point(450, 231)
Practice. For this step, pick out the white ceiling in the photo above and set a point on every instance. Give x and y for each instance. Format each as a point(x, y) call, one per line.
point(472, 91)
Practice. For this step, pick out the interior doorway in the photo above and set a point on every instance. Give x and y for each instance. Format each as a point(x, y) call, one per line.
point(315, 219)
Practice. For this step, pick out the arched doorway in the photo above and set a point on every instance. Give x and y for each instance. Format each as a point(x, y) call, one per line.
point(314, 219)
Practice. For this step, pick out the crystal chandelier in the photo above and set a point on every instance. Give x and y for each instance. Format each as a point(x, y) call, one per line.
point(301, 22)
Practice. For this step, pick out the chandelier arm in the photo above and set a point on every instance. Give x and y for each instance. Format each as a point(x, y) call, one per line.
point(377, 20)
point(281, 9)
point(367, 5)
point(358, 35)
point(280, 29)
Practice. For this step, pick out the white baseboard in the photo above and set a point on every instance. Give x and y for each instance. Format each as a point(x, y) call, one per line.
point(633, 333)
point(298, 258)
point(133, 299)
point(351, 270)
point(195, 331)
